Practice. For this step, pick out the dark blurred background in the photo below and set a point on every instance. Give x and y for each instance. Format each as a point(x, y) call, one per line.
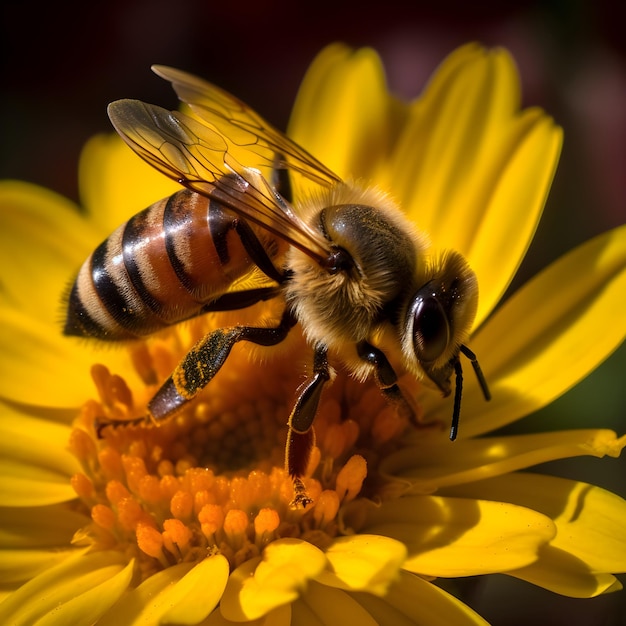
point(63, 62)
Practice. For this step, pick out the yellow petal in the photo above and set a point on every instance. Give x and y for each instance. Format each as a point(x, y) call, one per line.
point(77, 591)
point(87, 607)
point(560, 572)
point(35, 440)
point(512, 211)
point(590, 539)
point(35, 486)
point(327, 605)
point(18, 566)
point(35, 539)
point(39, 527)
point(35, 468)
point(472, 171)
point(115, 183)
point(342, 114)
point(43, 241)
point(185, 593)
point(280, 616)
point(56, 367)
point(412, 601)
point(547, 336)
point(454, 536)
point(276, 578)
point(363, 563)
point(197, 593)
point(306, 106)
point(429, 465)
point(449, 141)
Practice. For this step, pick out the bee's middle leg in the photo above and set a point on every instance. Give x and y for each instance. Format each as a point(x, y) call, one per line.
point(301, 436)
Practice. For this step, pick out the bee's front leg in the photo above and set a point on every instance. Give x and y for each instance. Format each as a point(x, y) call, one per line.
point(387, 380)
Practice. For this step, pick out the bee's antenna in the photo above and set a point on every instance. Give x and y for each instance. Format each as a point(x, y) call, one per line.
point(458, 392)
point(479, 373)
point(458, 388)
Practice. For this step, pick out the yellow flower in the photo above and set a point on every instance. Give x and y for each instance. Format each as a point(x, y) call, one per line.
point(190, 522)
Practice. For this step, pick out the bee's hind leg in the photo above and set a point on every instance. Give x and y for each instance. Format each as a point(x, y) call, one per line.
point(205, 359)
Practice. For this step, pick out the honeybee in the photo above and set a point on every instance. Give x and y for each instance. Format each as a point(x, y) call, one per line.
point(350, 268)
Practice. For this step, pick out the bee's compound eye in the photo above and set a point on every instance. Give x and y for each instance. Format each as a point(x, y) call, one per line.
point(431, 331)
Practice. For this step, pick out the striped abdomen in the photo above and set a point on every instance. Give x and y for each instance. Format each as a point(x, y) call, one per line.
point(161, 267)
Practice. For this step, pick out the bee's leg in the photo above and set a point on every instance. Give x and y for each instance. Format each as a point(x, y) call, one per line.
point(221, 221)
point(301, 436)
point(235, 300)
point(386, 379)
point(205, 359)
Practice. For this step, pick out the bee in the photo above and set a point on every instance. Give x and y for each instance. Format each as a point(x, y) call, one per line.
point(346, 263)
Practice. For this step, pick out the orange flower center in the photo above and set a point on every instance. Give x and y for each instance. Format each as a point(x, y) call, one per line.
point(212, 479)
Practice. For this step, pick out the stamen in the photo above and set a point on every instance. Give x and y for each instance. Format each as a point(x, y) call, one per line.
point(350, 478)
point(135, 470)
point(116, 492)
point(211, 518)
point(130, 514)
point(388, 425)
point(235, 525)
point(83, 487)
point(110, 461)
point(104, 516)
point(337, 438)
point(176, 537)
point(114, 393)
point(150, 541)
point(326, 507)
point(181, 505)
point(265, 523)
point(144, 364)
point(82, 445)
point(149, 490)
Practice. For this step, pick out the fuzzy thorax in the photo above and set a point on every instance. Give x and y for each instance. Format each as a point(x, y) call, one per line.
point(348, 305)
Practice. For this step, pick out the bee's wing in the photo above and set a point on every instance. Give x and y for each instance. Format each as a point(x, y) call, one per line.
point(206, 160)
point(243, 126)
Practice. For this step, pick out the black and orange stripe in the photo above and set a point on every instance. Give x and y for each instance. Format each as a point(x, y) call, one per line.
point(164, 265)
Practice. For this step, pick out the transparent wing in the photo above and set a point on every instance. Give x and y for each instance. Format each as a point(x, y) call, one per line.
point(244, 127)
point(202, 157)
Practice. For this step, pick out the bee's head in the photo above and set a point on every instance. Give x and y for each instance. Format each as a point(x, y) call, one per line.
point(437, 322)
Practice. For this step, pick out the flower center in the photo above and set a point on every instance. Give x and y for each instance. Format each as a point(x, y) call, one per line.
point(212, 479)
